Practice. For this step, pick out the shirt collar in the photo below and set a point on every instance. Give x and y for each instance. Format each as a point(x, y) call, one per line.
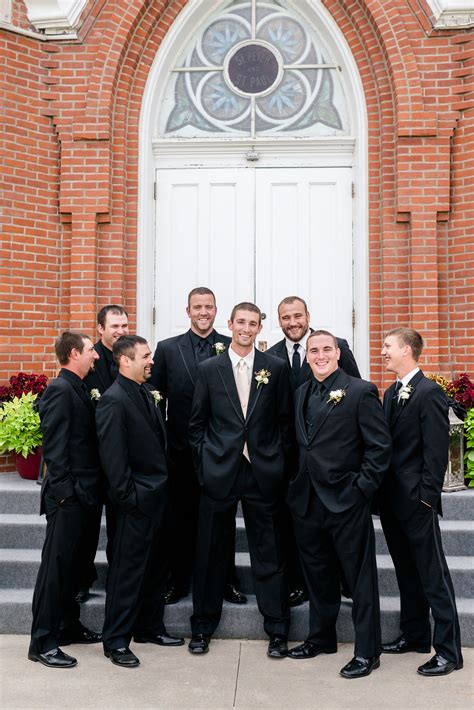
point(196, 339)
point(235, 359)
point(405, 380)
point(290, 344)
point(327, 383)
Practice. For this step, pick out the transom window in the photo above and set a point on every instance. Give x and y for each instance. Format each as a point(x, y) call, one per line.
point(255, 69)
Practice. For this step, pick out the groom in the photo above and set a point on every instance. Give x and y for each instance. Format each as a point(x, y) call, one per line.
point(240, 433)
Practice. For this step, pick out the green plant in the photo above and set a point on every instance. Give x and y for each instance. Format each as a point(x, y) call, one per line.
point(20, 429)
point(469, 455)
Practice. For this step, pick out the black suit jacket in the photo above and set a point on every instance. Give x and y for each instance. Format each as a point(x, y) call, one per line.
point(346, 362)
point(218, 430)
point(348, 452)
point(100, 378)
point(132, 443)
point(174, 375)
point(70, 448)
point(420, 434)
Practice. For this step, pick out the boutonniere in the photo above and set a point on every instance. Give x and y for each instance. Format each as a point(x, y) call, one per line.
point(335, 396)
point(262, 377)
point(157, 396)
point(94, 394)
point(219, 348)
point(405, 393)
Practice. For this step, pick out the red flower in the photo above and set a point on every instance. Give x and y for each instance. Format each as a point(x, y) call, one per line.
point(462, 390)
point(23, 383)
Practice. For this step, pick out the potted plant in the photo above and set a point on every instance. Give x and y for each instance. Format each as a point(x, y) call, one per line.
point(20, 431)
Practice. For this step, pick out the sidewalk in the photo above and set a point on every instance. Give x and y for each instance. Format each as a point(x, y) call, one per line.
point(234, 674)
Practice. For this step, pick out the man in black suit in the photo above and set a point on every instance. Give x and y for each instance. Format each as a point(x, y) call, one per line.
point(112, 322)
point(240, 433)
point(294, 320)
point(174, 374)
point(409, 503)
point(132, 446)
point(344, 453)
point(70, 491)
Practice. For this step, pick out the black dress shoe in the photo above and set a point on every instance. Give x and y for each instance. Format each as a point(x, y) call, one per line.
point(297, 597)
point(122, 657)
point(83, 595)
point(173, 595)
point(308, 649)
point(199, 644)
point(277, 647)
point(78, 634)
point(439, 666)
point(359, 667)
point(160, 640)
point(53, 659)
point(401, 645)
point(234, 595)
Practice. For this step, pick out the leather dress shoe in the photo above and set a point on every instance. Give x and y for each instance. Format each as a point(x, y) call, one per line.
point(53, 659)
point(122, 657)
point(297, 597)
point(83, 595)
point(277, 647)
point(160, 640)
point(78, 634)
point(401, 645)
point(359, 667)
point(173, 595)
point(234, 595)
point(439, 666)
point(308, 649)
point(199, 644)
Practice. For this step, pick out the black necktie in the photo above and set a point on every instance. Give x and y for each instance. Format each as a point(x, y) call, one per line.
point(396, 401)
point(296, 361)
point(202, 352)
point(146, 399)
point(398, 387)
point(313, 406)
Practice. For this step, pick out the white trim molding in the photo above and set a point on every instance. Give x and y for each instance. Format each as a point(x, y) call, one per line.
point(452, 14)
point(55, 16)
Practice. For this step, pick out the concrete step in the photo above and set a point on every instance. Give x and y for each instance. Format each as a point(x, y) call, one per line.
point(18, 495)
point(26, 531)
point(237, 621)
point(19, 567)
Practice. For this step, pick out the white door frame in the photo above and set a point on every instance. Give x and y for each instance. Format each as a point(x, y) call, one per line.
point(155, 153)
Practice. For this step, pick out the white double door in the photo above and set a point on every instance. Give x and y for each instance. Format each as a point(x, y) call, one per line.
point(255, 234)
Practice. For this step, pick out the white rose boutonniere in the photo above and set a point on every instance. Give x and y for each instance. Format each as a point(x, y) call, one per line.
point(262, 377)
point(219, 348)
point(95, 394)
point(335, 396)
point(157, 396)
point(404, 394)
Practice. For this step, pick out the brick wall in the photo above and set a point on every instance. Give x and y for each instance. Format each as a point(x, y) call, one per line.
point(70, 180)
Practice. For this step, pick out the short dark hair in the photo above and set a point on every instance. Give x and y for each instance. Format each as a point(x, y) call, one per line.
point(291, 299)
point(246, 306)
point(314, 333)
point(411, 337)
point(112, 308)
point(200, 291)
point(66, 343)
point(125, 345)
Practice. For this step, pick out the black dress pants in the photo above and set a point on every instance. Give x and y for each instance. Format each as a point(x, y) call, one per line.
point(54, 603)
point(423, 580)
point(262, 522)
point(329, 542)
point(136, 581)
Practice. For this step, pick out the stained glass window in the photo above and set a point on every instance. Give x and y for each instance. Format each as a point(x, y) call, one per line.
point(255, 69)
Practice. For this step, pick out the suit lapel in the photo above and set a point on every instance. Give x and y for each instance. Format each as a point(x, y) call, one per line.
point(258, 364)
point(299, 408)
point(341, 382)
point(388, 401)
point(186, 352)
point(79, 390)
point(402, 407)
point(226, 373)
point(140, 405)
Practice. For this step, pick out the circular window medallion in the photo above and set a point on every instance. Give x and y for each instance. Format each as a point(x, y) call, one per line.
point(253, 68)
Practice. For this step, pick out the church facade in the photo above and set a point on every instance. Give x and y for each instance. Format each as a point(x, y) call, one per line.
point(263, 148)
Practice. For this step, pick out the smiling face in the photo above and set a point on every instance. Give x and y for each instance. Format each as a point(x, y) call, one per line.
point(116, 324)
point(202, 312)
point(294, 320)
point(83, 362)
point(397, 356)
point(322, 356)
point(137, 369)
point(245, 327)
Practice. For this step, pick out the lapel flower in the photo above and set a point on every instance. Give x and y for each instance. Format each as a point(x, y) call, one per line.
point(262, 377)
point(405, 393)
point(335, 396)
point(157, 396)
point(95, 394)
point(219, 348)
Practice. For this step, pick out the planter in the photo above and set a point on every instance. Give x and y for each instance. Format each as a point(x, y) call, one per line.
point(29, 467)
